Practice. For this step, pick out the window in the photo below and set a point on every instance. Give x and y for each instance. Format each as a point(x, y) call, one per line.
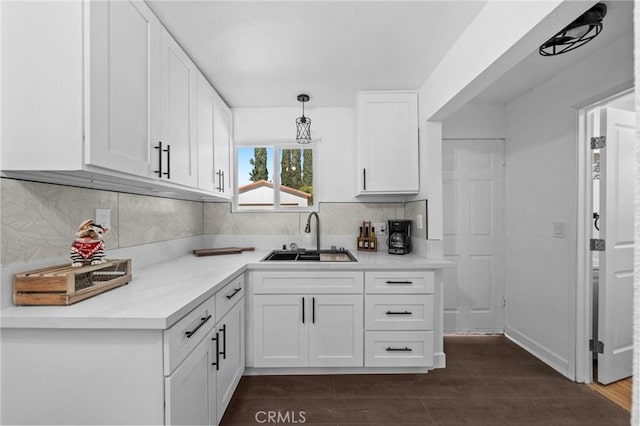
point(276, 177)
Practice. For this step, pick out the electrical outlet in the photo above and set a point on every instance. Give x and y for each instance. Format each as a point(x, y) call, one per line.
point(419, 221)
point(103, 218)
point(381, 227)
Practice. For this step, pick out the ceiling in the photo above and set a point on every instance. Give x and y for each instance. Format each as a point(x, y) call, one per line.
point(264, 53)
point(535, 69)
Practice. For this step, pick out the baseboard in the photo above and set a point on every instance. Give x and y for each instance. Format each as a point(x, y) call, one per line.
point(301, 371)
point(540, 352)
point(439, 360)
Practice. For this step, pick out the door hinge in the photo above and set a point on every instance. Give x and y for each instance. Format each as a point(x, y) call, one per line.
point(596, 245)
point(593, 347)
point(598, 142)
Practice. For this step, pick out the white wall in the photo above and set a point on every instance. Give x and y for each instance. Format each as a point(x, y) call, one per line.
point(476, 121)
point(541, 188)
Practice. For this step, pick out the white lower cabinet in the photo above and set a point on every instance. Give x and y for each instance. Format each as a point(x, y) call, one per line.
point(308, 331)
point(399, 348)
point(190, 390)
point(230, 362)
point(190, 358)
point(399, 319)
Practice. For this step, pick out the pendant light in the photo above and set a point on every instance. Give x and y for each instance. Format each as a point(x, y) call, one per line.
point(579, 32)
point(303, 124)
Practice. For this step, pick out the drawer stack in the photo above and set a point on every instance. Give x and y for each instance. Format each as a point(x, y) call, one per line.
point(399, 319)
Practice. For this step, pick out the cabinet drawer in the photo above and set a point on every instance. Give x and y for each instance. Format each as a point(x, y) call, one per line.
point(398, 349)
point(182, 337)
point(308, 282)
point(413, 282)
point(398, 312)
point(228, 296)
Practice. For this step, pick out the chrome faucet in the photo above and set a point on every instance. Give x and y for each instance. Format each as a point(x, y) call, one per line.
point(307, 229)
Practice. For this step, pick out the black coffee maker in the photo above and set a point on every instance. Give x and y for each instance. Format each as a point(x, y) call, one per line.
point(399, 231)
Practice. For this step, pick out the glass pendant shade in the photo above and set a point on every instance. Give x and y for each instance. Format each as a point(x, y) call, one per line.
point(303, 124)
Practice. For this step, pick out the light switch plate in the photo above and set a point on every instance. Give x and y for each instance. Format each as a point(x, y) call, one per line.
point(419, 222)
point(103, 218)
point(559, 229)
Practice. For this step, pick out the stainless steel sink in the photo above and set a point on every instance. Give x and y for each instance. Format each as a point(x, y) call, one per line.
point(309, 256)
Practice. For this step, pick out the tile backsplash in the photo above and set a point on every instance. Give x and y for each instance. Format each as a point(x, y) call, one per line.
point(38, 220)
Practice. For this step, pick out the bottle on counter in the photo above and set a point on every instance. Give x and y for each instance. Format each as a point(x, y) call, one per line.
point(373, 240)
point(361, 240)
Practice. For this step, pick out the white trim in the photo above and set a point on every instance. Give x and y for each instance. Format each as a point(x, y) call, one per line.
point(553, 360)
point(300, 371)
point(583, 366)
point(277, 146)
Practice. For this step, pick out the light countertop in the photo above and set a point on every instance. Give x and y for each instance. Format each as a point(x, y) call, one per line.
point(161, 294)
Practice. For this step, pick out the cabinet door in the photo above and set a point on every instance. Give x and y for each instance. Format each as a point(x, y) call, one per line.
point(178, 84)
point(190, 390)
point(388, 142)
point(336, 331)
point(214, 141)
point(231, 354)
point(280, 331)
point(222, 145)
point(124, 86)
point(207, 178)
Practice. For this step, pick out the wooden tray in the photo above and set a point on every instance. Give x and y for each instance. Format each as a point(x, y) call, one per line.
point(65, 285)
point(222, 250)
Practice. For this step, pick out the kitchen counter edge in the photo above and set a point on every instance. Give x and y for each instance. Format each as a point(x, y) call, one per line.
point(161, 294)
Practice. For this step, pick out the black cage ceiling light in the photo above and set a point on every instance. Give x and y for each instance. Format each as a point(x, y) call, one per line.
point(579, 32)
point(303, 124)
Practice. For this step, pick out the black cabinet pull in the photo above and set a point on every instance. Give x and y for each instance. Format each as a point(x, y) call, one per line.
point(235, 291)
point(399, 282)
point(313, 310)
point(202, 322)
point(217, 363)
point(159, 148)
point(219, 174)
point(168, 172)
point(224, 342)
point(364, 179)
point(222, 180)
point(398, 313)
point(303, 310)
point(405, 349)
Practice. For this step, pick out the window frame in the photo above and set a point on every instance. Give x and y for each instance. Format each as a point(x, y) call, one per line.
point(277, 146)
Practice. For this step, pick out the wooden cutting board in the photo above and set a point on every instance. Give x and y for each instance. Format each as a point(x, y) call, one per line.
point(221, 250)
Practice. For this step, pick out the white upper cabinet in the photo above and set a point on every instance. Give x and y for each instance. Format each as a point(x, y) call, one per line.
point(177, 154)
point(214, 141)
point(106, 98)
point(223, 145)
point(388, 143)
point(124, 86)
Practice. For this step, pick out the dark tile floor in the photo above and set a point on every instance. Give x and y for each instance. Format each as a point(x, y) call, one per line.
point(488, 381)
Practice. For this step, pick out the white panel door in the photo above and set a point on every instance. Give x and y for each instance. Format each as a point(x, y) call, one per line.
point(473, 192)
point(189, 391)
point(281, 335)
point(124, 86)
point(231, 356)
point(615, 295)
point(222, 142)
point(388, 143)
point(179, 100)
point(336, 336)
